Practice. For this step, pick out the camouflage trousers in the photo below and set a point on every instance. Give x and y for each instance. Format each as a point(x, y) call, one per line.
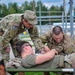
point(69, 62)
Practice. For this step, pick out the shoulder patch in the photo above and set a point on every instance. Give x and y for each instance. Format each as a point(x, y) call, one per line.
point(15, 27)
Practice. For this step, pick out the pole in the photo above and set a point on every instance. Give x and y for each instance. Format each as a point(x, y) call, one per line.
point(34, 5)
point(65, 16)
point(40, 14)
point(71, 18)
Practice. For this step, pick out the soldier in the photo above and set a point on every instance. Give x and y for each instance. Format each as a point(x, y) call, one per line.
point(50, 59)
point(57, 39)
point(14, 24)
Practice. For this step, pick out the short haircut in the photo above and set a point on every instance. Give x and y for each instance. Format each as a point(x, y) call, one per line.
point(19, 45)
point(57, 30)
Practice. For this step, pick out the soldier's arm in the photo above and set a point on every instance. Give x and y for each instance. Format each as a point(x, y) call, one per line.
point(35, 38)
point(69, 45)
point(44, 37)
point(8, 35)
point(70, 48)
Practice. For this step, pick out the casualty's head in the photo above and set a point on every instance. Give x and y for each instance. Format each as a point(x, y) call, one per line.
point(21, 45)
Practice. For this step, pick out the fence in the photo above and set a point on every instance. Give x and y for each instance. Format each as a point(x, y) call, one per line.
point(49, 18)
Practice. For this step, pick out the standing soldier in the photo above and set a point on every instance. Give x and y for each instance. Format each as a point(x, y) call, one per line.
point(14, 24)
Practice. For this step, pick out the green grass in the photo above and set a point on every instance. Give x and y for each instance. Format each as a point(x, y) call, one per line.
point(38, 73)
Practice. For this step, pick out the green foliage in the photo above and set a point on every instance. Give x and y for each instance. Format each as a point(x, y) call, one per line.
point(11, 11)
point(3, 10)
point(15, 8)
point(45, 11)
point(12, 8)
point(26, 6)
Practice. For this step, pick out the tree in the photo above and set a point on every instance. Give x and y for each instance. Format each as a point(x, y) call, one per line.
point(12, 8)
point(3, 10)
point(26, 6)
point(11, 11)
point(15, 6)
point(43, 11)
point(0, 10)
point(43, 8)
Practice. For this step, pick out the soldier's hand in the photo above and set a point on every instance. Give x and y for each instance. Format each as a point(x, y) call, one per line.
point(52, 53)
point(42, 52)
point(55, 51)
point(46, 48)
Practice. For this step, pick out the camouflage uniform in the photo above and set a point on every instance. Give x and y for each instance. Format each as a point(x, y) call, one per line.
point(64, 47)
point(30, 61)
point(12, 27)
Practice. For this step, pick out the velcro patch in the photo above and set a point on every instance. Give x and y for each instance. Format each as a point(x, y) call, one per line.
point(14, 27)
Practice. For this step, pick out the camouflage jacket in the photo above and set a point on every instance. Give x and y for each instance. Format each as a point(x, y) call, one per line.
point(12, 27)
point(64, 47)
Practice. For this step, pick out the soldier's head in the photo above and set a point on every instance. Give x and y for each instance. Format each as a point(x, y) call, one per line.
point(29, 19)
point(23, 47)
point(57, 34)
point(1, 32)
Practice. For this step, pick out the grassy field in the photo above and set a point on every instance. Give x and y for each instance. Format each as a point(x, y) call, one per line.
point(38, 73)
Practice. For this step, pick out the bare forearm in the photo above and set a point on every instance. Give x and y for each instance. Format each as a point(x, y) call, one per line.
point(45, 57)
